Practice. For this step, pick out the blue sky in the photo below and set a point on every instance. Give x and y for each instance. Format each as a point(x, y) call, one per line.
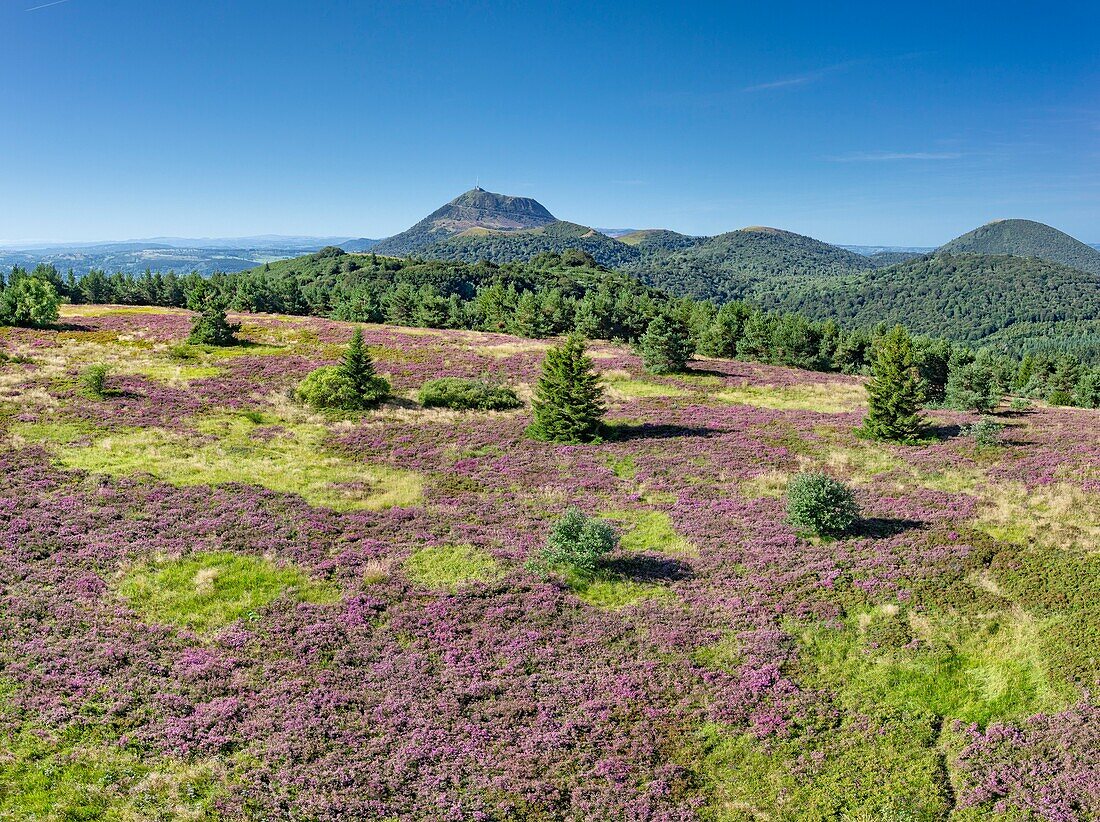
point(852, 122)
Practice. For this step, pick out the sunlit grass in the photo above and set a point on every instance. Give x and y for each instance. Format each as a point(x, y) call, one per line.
point(449, 567)
point(67, 310)
point(649, 531)
point(977, 669)
point(825, 398)
point(206, 591)
point(611, 591)
point(292, 460)
point(642, 389)
point(1059, 516)
point(771, 484)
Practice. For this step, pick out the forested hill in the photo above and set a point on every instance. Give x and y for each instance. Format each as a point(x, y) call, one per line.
point(977, 298)
point(749, 263)
point(1027, 238)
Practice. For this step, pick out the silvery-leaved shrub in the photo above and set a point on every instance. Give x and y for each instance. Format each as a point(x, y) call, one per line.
point(578, 542)
point(821, 504)
point(985, 431)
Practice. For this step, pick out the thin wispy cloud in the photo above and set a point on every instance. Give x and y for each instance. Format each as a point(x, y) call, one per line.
point(888, 156)
point(803, 79)
point(46, 5)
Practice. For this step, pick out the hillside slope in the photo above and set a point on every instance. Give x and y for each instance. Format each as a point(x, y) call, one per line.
point(960, 296)
point(1027, 238)
point(748, 263)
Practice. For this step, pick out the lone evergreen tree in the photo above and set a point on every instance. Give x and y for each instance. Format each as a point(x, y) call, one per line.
point(666, 345)
point(210, 326)
point(895, 391)
point(568, 398)
point(357, 364)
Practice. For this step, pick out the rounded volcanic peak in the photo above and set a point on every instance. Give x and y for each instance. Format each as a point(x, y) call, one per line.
point(1027, 238)
point(478, 207)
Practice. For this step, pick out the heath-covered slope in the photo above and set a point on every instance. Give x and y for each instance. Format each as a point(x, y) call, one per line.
point(1027, 238)
point(748, 263)
point(216, 604)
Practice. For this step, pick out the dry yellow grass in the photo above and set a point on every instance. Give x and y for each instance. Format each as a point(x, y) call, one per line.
point(824, 398)
point(1059, 516)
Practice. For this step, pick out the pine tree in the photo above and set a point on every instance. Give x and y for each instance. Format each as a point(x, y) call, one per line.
point(666, 346)
point(895, 391)
point(210, 326)
point(568, 397)
point(357, 364)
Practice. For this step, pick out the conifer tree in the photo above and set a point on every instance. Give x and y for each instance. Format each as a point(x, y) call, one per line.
point(666, 345)
point(357, 364)
point(895, 391)
point(210, 326)
point(568, 400)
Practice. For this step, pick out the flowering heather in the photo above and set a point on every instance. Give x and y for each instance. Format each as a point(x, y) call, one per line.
point(215, 603)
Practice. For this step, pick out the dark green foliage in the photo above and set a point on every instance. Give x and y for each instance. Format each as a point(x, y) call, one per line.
point(1086, 394)
point(895, 391)
point(94, 380)
point(821, 504)
point(972, 386)
point(461, 393)
point(210, 326)
point(720, 338)
point(30, 301)
point(578, 543)
point(351, 386)
point(568, 400)
point(1026, 238)
point(933, 356)
point(666, 345)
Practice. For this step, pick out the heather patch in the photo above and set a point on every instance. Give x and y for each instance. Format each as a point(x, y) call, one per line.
point(448, 567)
point(824, 398)
point(976, 668)
point(288, 459)
point(204, 592)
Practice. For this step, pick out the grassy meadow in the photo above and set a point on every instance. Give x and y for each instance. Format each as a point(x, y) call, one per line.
point(216, 603)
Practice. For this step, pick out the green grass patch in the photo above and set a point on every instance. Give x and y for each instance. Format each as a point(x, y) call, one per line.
point(881, 770)
point(54, 433)
point(622, 467)
point(449, 567)
point(292, 462)
point(203, 592)
point(770, 484)
point(977, 669)
point(723, 655)
point(643, 389)
point(649, 531)
point(611, 591)
point(825, 398)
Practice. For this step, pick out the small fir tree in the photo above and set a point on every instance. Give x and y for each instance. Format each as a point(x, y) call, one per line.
point(357, 364)
point(895, 391)
point(210, 326)
point(568, 400)
point(666, 345)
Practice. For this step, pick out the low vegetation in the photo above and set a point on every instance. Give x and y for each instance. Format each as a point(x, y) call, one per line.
point(467, 394)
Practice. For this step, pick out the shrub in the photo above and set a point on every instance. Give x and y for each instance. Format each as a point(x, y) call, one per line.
point(1087, 392)
point(972, 387)
point(94, 380)
point(578, 542)
point(351, 386)
point(821, 504)
point(1060, 396)
point(666, 346)
point(895, 391)
point(1019, 404)
point(458, 392)
point(984, 432)
point(568, 398)
point(30, 302)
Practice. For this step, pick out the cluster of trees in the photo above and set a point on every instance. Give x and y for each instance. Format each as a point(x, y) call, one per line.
point(554, 294)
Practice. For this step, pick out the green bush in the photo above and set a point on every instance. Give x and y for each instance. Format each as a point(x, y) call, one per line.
point(94, 380)
point(329, 389)
point(1059, 396)
point(972, 386)
point(459, 392)
point(30, 302)
point(984, 432)
point(578, 542)
point(1019, 404)
point(821, 504)
point(1087, 392)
